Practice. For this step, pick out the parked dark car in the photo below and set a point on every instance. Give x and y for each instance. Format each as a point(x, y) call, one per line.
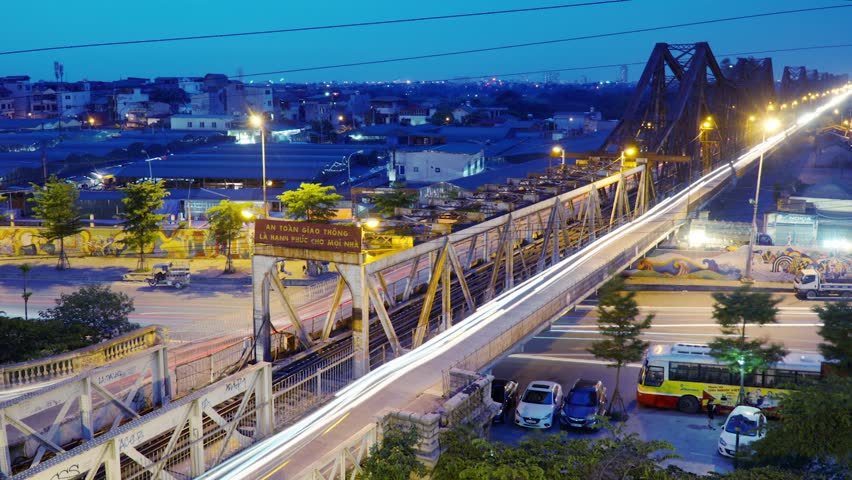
point(504, 392)
point(586, 399)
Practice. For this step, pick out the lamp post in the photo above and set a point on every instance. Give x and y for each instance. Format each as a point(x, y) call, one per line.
point(258, 122)
point(558, 150)
point(770, 125)
point(349, 177)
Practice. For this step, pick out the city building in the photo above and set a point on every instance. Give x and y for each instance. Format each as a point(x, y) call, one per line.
point(437, 163)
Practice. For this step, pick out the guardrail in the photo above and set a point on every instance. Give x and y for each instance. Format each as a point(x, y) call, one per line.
point(79, 361)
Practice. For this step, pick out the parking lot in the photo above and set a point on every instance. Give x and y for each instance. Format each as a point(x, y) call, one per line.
point(689, 434)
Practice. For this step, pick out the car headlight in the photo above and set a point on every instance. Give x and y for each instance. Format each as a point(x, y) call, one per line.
point(722, 442)
point(591, 419)
point(548, 416)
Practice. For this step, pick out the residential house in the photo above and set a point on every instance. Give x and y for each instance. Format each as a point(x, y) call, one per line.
point(20, 91)
point(414, 115)
point(386, 109)
point(215, 81)
point(202, 123)
point(74, 100)
point(191, 85)
point(245, 99)
point(43, 103)
point(577, 122)
point(131, 103)
point(285, 106)
point(7, 104)
point(208, 103)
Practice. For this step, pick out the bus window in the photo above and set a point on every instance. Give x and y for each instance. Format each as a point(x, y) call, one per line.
point(654, 376)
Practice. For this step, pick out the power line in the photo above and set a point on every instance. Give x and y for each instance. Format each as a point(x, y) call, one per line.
point(313, 28)
point(613, 65)
point(544, 42)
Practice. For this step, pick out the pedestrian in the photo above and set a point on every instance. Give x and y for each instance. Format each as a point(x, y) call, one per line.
point(711, 413)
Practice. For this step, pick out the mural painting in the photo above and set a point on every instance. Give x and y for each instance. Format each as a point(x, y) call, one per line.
point(777, 264)
point(178, 243)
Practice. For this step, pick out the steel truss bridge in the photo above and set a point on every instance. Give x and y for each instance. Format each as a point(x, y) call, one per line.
point(423, 300)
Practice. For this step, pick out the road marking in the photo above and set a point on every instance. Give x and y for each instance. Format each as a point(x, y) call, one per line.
point(335, 423)
point(274, 471)
point(529, 356)
point(585, 328)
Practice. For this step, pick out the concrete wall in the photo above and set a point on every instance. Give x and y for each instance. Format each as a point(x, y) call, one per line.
point(103, 241)
point(771, 263)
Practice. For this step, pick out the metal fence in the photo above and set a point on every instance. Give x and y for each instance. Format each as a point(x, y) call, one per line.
point(301, 392)
point(200, 372)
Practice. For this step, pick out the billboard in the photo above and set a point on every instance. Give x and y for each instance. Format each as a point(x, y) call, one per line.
point(311, 236)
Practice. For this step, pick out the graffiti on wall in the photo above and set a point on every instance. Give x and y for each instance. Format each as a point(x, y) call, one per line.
point(680, 264)
point(100, 241)
point(778, 264)
point(791, 260)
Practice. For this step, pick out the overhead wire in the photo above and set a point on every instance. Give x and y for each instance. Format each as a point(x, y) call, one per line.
point(311, 28)
point(542, 42)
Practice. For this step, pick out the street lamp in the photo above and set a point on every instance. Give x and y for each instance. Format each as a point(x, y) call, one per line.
point(770, 125)
point(558, 150)
point(741, 395)
point(258, 122)
point(349, 167)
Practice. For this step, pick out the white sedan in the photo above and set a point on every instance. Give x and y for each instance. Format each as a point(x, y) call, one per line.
point(751, 424)
point(539, 405)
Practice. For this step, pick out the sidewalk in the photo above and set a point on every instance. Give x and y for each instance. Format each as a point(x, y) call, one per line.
point(701, 285)
point(205, 271)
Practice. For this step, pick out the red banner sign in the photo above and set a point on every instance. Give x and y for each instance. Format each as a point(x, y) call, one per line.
point(312, 236)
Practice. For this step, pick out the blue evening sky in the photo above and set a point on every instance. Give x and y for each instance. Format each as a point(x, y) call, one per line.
point(33, 24)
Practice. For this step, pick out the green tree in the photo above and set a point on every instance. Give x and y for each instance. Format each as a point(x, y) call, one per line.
point(55, 206)
point(27, 339)
point(467, 455)
point(25, 270)
point(836, 331)
point(141, 224)
point(617, 312)
point(387, 203)
point(226, 221)
point(312, 202)
point(733, 312)
point(94, 313)
point(812, 433)
point(395, 459)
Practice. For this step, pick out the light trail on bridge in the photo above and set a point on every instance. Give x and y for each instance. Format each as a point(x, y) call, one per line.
point(267, 456)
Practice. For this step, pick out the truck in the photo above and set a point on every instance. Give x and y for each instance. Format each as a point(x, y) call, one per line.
point(172, 274)
point(810, 283)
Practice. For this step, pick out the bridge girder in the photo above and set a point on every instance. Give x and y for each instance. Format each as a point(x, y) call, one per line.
point(680, 87)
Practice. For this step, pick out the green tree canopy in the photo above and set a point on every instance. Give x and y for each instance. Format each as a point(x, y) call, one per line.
point(226, 221)
point(543, 457)
point(55, 205)
point(94, 313)
point(733, 312)
point(813, 432)
point(394, 459)
point(28, 339)
point(141, 224)
point(836, 332)
point(312, 202)
point(617, 312)
point(398, 198)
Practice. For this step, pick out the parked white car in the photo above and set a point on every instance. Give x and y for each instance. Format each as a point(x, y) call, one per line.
point(752, 426)
point(539, 405)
